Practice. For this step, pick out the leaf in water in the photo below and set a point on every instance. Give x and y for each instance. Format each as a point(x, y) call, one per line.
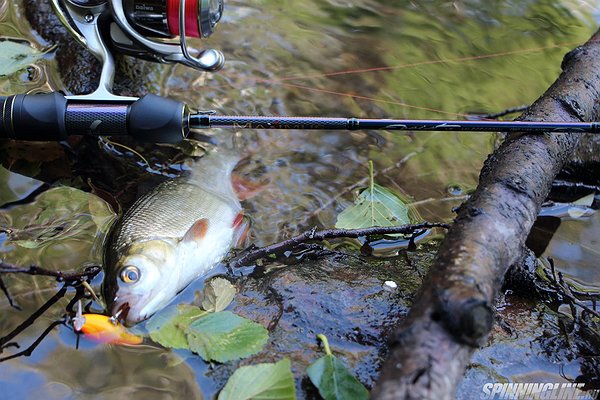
point(581, 207)
point(261, 381)
point(15, 56)
point(168, 326)
point(224, 336)
point(333, 379)
point(218, 294)
point(101, 212)
point(59, 213)
point(375, 206)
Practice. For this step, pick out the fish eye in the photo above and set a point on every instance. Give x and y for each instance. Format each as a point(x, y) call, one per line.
point(130, 274)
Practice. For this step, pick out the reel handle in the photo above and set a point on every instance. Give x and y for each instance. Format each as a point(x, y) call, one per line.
point(54, 117)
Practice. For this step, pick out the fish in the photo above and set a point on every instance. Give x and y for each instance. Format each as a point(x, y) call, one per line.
point(169, 237)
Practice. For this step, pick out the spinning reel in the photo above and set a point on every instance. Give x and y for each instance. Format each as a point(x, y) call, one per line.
point(157, 30)
point(148, 29)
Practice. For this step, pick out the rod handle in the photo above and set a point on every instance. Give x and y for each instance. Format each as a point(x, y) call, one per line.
point(53, 117)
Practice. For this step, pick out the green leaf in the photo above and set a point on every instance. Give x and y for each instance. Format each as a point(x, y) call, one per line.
point(261, 382)
point(15, 56)
point(63, 224)
point(168, 327)
point(375, 206)
point(224, 336)
point(218, 294)
point(333, 379)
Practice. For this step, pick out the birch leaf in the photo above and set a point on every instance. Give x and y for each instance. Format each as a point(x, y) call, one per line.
point(333, 379)
point(167, 327)
point(218, 294)
point(261, 382)
point(224, 336)
point(375, 206)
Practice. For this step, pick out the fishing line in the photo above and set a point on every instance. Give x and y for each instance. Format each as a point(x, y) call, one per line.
point(374, 99)
point(282, 81)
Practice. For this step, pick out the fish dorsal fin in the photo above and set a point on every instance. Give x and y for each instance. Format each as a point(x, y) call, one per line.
point(197, 231)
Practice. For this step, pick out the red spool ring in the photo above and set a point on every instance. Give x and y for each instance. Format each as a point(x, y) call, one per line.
point(192, 19)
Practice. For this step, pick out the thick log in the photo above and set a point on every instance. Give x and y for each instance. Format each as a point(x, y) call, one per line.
point(453, 312)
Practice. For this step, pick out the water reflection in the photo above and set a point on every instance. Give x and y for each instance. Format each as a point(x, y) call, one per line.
point(575, 248)
point(102, 372)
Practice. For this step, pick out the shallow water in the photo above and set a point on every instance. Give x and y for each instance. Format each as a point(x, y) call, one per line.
point(433, 60)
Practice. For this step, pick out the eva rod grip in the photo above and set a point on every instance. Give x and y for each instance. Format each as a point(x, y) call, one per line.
point(158, 119)
point(33, 117)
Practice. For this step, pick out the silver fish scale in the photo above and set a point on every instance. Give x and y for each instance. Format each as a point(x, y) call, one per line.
point(170, 210)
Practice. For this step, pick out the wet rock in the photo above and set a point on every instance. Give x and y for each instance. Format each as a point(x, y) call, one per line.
point(342, 296)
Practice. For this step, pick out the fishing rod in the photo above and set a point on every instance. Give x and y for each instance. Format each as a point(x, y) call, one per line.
point(162, 120)
point(157, 30)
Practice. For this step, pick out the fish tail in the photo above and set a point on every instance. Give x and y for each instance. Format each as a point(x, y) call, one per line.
point(214, 169)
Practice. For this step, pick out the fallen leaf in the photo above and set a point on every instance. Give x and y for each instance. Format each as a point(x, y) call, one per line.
point(261, 382)
point(168, 327)
point(333, 379)
point(218, 294)
point(225, 336)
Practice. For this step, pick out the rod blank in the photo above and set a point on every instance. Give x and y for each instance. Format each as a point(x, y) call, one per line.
point(203, 121)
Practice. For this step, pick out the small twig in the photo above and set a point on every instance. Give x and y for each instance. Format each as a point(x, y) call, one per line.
point(291, 243)
point(501, 113)
point(69, 277)
point(564, 289)
point(7, 294)
point(25, 324)
point(562, 184)
point(27, 352)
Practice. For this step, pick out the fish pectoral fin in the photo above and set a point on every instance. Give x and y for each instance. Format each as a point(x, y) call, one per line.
point(241, 227)
point(197, 231)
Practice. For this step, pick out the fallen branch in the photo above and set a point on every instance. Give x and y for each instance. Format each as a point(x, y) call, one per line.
point(453, 312)
point(314, 235)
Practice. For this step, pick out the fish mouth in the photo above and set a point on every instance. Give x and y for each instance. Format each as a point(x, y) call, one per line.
point(129, 310)
point(121, 313)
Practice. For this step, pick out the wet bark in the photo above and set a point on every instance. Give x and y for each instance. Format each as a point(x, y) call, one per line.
point(453, 313)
